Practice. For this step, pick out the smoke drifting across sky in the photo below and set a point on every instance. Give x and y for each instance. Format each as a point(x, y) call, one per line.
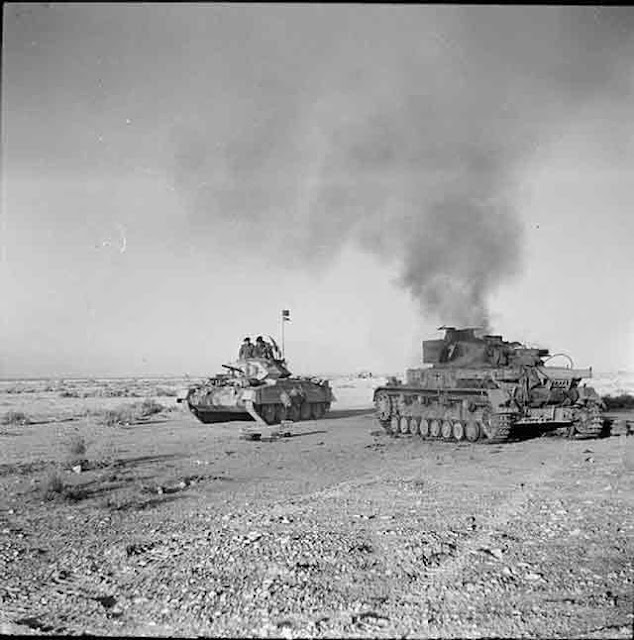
point(403, 134)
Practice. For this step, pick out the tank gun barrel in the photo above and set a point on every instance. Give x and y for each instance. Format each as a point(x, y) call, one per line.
point(231, 368)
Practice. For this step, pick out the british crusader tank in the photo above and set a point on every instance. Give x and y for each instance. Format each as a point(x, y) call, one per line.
point(480, 387)
point(262, 390)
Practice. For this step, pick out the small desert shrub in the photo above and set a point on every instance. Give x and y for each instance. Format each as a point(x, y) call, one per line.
point(128, 413)
point(163, 391)
point(19, 388)
point(53, 485)
point(15, 417)
point(623, 401)
point(121, 415)
point(173, 407)
point(150, 407)
point(77, 446)
point(69, 393)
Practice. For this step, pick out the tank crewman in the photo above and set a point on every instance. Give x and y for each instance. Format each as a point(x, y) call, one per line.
point(246, 349)
point(262, 349)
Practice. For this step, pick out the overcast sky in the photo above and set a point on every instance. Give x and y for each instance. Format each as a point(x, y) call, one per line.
point(174, 175)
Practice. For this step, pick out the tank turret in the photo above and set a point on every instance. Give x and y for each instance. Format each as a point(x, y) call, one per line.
point(479, 386)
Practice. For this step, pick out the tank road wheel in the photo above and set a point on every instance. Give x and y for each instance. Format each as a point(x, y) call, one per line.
point(472, 431)
point(394, 425)
point(305, 411)
point(404, 425)
point(268, 413)
point(458, 430)
point(498, 428)
point(446, 430)
point(415, 426)
point(423, 430)
point(434, 428)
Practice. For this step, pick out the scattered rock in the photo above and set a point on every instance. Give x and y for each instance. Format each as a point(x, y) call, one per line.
point(496, 553)
point(252, 536)
point(532, 576)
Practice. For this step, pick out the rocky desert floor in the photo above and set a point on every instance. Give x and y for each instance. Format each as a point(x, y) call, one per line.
point(162, 526)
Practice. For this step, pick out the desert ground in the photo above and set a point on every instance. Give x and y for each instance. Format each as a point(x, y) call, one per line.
point(120, 514)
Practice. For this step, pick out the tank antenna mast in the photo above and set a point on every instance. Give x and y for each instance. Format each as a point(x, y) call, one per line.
point(286, 317)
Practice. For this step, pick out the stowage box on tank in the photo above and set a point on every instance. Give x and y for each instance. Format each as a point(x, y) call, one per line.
point(262, 390)
point(481, 387)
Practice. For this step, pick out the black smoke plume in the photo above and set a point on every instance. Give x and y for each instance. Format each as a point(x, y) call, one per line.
point(399, 129)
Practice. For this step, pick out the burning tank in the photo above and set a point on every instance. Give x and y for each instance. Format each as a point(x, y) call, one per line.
point(261, 390)
point(483, 388)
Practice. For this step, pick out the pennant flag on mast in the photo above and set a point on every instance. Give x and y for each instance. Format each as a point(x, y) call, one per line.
point(286, 315)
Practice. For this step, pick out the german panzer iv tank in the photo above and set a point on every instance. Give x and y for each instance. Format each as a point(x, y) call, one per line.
point(482, 388)
point(261, 390)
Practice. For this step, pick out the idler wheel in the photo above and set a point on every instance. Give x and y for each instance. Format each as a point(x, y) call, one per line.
point(404, 425)
point(446, 430)
point(423, 430)
point(472, 431)
point(305, 411)
point(434, 428)
point(458, 431)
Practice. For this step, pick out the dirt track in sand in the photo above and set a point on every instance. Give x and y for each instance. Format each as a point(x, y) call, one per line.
point(179, 528)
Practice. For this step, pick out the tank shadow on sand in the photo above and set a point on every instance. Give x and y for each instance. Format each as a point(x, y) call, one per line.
point(337, 414)
point(305, 433)
point(130, 462)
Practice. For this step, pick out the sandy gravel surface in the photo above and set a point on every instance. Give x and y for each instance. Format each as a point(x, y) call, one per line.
point(178, 528)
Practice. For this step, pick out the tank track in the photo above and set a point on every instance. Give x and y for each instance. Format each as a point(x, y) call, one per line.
point(498, 430)
point(275, 413)
point(590, 424)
